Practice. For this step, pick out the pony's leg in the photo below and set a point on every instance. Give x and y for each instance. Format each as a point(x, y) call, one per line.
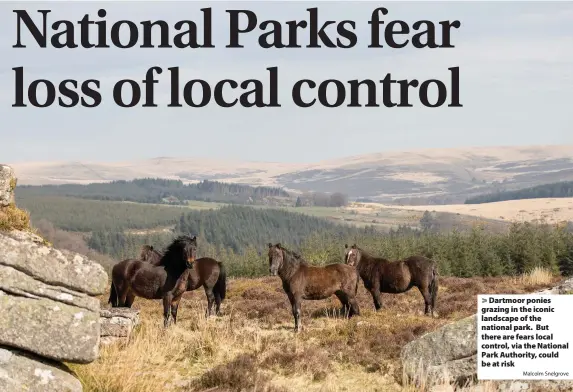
point(123, 290)
point(167, 298)
point(294, 308)
point(427, 298)
point(218, 304)
point(343, 298)
point(174, 307)
point(376, 298)
point(375, 292)
point(130, 297)
point(354, 308)
point(296, 313)
point(210, 300)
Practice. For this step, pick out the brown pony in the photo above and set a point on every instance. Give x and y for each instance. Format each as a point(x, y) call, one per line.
point(167, 280)
point(303, 281)
point(383, 276)
point(208, 272)
point(151, 255)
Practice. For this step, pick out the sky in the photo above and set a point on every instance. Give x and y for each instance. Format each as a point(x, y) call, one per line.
point(516, 78)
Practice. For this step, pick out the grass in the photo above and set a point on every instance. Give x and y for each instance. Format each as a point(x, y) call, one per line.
point(252, 347)
point(537, 276)
point(13, 218)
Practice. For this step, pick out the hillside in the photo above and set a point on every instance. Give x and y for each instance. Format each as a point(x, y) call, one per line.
point(556, 189)
point(549, 210)
point(162, 191)
point(433, 176)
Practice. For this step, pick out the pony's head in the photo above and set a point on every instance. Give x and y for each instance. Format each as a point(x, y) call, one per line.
point(276, 258)
point(190, 250)
point(146, 252)
point(351, 255)
point(183, 247)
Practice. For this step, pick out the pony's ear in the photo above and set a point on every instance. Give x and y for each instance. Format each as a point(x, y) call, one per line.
point(194, 238)
point(345, 246)
point(270, 245)
point(354, 246)
point(279, 245)
point(150, 247)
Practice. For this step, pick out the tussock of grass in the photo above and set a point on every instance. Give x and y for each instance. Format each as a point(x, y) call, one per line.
point(13, 218)
point(241, 374)
point(288, 359)
point(537, 276)
point(252, 345)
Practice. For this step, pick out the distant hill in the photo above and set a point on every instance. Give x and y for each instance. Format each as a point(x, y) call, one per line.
point(431, 176)
point(553, 190)
point(162, 191)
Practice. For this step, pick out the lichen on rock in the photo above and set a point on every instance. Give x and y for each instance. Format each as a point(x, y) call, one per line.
point(23, 252)
point(49, 312)
point(21, 371)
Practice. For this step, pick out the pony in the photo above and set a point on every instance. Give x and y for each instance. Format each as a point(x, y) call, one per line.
point(167, 280)
point(303, 281)
point(383, 276)
point(208, 272)
point(150, 254)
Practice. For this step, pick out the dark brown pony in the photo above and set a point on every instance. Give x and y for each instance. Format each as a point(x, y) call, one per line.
point(167, 280)
point(208, 272)
point(394, 277)
point(303, 281)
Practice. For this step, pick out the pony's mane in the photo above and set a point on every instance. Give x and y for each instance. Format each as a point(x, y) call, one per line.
point(172, 255)
point(294, 255)
point(369, 256)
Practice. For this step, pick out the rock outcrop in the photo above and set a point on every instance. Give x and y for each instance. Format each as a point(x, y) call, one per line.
point(565, 287)
point(117, 324)
point(449, 355)
point(49, 314)
point(24, 372)
point(7, 185)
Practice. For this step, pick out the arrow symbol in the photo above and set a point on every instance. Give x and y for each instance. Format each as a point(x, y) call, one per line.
point(483, 300)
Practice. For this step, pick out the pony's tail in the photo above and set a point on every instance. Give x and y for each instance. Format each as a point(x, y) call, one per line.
point(220, 287)
point(113, 296)
point(434, 286)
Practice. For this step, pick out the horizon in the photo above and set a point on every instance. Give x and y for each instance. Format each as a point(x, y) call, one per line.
point(337, 158)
